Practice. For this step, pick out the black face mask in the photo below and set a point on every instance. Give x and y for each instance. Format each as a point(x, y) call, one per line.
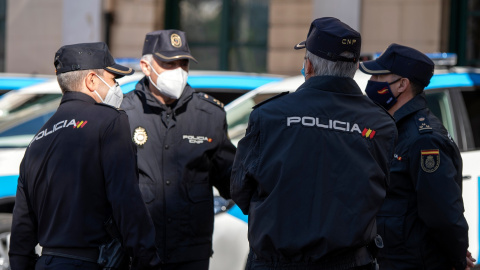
point(381, 93)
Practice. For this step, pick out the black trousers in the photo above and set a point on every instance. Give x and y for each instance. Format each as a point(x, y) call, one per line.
point(191, 265)
point(47, 262)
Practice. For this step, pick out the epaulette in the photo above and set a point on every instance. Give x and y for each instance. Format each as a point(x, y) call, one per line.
point(423, 124)
point(107, 105)
point(211, 99)
point(270, 99)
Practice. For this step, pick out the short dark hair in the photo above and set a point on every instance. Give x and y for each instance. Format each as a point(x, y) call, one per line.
point(417, 88)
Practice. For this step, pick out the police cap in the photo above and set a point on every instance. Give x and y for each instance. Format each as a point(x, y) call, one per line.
point(85, 56)
point(167, 45)
point(328, 37)
point(401, 60)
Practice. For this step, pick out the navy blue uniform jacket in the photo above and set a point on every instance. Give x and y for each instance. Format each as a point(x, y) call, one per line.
point(79, 170)
point(312, 171)
point(183, 150)
point(421, 220)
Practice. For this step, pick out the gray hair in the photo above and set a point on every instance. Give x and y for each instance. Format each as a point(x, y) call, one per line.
point(148, 58)
point(324, 67)
point(72, 81)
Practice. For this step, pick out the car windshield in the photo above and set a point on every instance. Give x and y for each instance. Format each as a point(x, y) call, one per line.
point(18, 129)
point(237, 116)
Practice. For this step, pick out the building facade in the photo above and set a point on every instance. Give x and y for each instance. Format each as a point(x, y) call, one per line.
point(236, 35)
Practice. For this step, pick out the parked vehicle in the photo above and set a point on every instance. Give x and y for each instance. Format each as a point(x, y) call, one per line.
point(14, 81)
point(23, 113)
point(225, 86)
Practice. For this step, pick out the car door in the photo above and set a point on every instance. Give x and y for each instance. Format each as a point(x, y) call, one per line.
point(459, 110)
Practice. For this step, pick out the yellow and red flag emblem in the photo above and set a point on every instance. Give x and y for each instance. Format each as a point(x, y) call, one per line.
point(430, 152)
point(80, 124)
point(383, 91)
point(430, 160)
point(368, 133)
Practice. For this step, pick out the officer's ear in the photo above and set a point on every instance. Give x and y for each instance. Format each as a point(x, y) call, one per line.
point(146, 68)
point(309, 70)
point(403, 85)
point(91, 81)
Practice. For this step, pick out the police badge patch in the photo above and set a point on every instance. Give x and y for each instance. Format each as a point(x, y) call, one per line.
point(140, 136)
point(430, 160)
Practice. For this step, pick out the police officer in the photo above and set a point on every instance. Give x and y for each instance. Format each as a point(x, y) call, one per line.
point(312, 170)
point(421, 220)
point(79, 170)
point(183, 149)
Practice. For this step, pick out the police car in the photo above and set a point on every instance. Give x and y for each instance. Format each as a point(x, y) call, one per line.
point(23, 113)
point(15, 81)
point(453, 95)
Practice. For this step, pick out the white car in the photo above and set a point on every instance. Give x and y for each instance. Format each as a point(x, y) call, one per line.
point(453, 96)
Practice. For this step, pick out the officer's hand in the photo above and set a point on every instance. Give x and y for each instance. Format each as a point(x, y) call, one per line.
point(470, 261)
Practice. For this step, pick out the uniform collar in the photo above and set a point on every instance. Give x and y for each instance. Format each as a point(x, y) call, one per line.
point(332, 84)
point(417, 103)
point(144, 93)
point(74, 95)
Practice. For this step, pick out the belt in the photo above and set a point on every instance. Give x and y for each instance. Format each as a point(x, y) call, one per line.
point(345, 260)
point(83, 254)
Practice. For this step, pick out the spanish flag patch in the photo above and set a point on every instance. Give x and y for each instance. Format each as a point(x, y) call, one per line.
point(430, 160)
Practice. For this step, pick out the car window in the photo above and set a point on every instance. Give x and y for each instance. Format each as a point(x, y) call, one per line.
point(439, 105)
point(237, 117)
point(36, 99)
point(20, 135)
point(472, 105)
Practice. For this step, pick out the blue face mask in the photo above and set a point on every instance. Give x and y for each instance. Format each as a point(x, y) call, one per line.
point(303, 69)
point(381, 93)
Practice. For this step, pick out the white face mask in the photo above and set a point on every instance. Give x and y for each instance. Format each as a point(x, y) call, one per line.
point(171, 82)
point(114, 95)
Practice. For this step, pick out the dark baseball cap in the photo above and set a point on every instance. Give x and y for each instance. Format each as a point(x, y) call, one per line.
point(328, 37)
point(403, 61)
point(167, 45)
point(85, 56)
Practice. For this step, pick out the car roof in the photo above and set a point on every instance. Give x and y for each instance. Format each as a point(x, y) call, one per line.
point(13, 81)
point(443, 78)
point(197, 79)
point(290, 84)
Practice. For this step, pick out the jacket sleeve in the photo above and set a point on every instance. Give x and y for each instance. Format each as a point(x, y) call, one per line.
point(23, 238)
point(121, 180)
point(222, 164)
point(243, 184)
point(437, 168)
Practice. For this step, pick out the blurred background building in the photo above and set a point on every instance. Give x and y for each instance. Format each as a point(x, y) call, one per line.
point(235, 35)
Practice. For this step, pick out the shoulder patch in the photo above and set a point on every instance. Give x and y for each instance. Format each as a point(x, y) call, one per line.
point(423, 124)
point(210, 99)
point(270, 99)
point(430, 160)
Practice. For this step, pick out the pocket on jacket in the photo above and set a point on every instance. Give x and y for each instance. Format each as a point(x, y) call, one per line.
point(392, 232)
point(201, 209)
point(147, 192)
point(198, 192)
